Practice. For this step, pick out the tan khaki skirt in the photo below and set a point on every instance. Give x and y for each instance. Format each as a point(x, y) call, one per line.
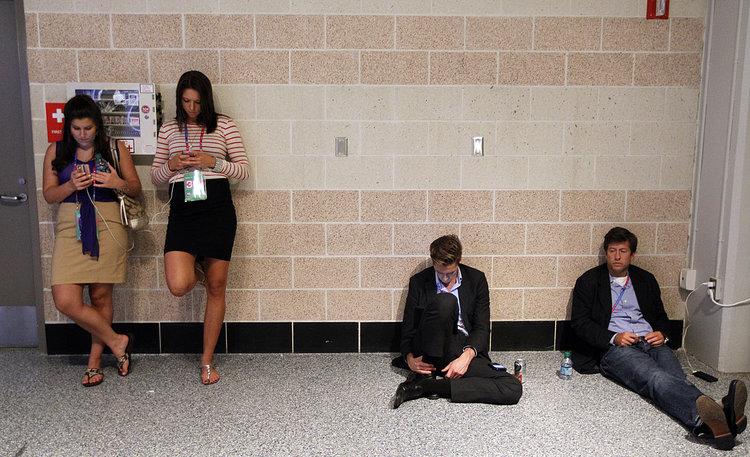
point(71, 266)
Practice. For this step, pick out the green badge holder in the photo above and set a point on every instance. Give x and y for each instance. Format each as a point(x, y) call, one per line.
point(195, 186)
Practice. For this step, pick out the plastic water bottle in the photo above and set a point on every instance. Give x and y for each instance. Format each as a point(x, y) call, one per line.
point(566, 367)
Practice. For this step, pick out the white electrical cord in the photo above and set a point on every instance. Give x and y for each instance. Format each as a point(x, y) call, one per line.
point(726, 305)
point(709, 285)
point(163, 207)
point(687, 326)
point(106, 224)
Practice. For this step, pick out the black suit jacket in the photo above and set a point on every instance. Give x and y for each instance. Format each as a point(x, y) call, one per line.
point(592, 310)
point(473, 294)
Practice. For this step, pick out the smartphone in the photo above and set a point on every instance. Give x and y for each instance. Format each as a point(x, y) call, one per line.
point(82, 168)
point(704, 376)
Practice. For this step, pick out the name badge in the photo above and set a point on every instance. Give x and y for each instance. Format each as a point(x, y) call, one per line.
point(195, 186)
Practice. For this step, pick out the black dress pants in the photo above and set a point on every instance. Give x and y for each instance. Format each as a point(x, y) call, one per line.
point(439, 342)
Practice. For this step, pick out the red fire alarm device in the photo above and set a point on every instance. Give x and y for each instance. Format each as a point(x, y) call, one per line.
point(657, 9)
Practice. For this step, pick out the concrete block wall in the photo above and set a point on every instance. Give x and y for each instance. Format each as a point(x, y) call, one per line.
point(588, 113)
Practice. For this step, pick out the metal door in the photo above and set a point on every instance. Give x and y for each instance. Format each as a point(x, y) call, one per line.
point(21, 309)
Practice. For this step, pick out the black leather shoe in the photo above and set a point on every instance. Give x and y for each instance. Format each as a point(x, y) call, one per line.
point(407, 390)
point(416, 377)
point(712, 416)
point(701, 430)
point(734, 406)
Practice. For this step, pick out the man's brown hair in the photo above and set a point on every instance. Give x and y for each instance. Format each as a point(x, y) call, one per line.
point(446, 249)
point(620, 235)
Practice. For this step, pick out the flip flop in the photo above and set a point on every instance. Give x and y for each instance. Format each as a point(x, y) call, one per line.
point(126, 358)
point(90, 373)
point(209, 369)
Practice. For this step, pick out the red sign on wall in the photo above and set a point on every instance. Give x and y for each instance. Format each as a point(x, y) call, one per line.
point(55, 119)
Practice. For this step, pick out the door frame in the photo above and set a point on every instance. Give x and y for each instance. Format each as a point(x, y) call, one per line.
point(27, 156)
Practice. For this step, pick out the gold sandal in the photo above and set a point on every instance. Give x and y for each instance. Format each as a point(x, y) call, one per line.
point(126, 358)
point(90, 373)
point(209, 369)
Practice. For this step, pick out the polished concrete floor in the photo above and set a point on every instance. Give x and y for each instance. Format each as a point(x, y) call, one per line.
point(320, 404)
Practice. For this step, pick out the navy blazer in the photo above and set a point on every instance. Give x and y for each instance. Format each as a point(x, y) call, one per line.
point(592, 311)
point(473, 294)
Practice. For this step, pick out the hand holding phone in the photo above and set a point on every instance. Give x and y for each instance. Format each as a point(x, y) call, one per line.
point(80, 177)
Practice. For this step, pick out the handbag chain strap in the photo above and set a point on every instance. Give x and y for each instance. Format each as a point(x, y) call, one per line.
point(116, 157)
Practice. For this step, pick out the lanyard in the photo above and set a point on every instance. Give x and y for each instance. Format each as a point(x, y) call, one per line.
point(78, 162)
point(622, 292)
point(200, 141)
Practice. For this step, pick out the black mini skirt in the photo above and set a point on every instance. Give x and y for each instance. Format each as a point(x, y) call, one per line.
point(203, 228)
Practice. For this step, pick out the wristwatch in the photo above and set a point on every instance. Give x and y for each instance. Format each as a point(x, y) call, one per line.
point(218, 166)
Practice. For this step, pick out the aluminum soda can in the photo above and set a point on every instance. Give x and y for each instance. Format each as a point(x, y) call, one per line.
point(519, 369)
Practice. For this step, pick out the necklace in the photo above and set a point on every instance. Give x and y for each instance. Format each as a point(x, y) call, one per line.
point(88, 151)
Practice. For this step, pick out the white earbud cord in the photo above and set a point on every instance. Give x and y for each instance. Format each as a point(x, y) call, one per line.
point(106, 224)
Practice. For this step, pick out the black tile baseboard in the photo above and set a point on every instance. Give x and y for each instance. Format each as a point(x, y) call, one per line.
point(523, 335)
point(276, 337)
point(564, 336)
point(187, 338)
point(255, 337)
point(380, 337)
point(326, 337)
point(66, 339)
point(145, 335)
point(675, 334)
point(70, 339)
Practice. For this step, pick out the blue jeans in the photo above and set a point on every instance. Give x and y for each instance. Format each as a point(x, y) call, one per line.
point(655, 373)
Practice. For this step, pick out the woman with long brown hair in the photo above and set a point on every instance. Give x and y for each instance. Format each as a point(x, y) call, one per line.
point(91, 243)
point(196, 154)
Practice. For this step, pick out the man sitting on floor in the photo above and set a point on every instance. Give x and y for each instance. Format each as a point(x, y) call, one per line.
point(621, 326)
point(446, 331)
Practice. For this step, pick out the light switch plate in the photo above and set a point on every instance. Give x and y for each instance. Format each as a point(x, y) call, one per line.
point(341, 145)
point(477, 146)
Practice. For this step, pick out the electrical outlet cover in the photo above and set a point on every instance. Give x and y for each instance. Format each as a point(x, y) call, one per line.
point(687, 279)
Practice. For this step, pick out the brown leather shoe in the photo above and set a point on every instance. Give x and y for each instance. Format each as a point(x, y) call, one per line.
point(734, 406)
point(712, 415)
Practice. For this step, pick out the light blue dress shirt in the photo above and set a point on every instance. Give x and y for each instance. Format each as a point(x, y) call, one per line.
point(626, 314)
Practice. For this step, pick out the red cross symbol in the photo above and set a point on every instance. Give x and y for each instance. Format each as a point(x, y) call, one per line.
point(58, 115)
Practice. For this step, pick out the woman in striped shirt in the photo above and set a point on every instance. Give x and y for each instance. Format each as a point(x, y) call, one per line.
point(200, 233)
